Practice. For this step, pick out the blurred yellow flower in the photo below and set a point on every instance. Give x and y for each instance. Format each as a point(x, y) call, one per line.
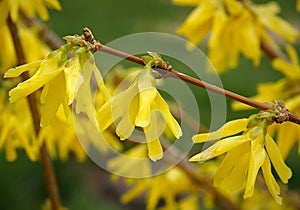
point(245, 155)
point(29, 39)
point(290, 69)
point(28, 7)
point(235, 28)
point(140, 105)
point(16, 129)
point(158, 187)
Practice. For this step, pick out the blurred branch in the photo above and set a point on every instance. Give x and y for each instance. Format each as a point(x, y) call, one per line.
point(48, 35)
point(44, 155)
point(271, 52)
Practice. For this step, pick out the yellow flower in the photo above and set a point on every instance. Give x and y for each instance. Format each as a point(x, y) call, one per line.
point(245, 155)
point(287, 90)
point(60, 138)
point(27, 7)
point(166, 186)
point(17, 130)
point(60, 77)
point(288, 133)
point(298, 6)
point(29, 39)
point(125, 163)
point(140, 105)
point(290, 69)
point(235, 28)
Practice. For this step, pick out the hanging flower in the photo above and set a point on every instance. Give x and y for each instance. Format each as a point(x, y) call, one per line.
point(158, 187)
point(287, 89)
point(28, 7)
point(140, 105)
point(235, 28)
point(245, 154)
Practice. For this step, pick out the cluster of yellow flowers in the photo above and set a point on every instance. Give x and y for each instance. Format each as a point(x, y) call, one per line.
point(66, 77)
point(235, 27)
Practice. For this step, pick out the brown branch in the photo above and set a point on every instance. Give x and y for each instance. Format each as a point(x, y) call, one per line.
point(271, 52)
point(48, 170)
point(170, 72)
point(50, 37)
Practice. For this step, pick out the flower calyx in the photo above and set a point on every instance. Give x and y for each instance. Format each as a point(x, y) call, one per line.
point(85, 40)
point(267, 117)
point(154, 61)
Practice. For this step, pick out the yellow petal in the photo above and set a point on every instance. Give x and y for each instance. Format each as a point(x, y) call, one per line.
point(230, 128)
point(283, 171)
point(72, 73)
point(155, 151)
point(17, 71)
point(41, 9)
point(146, 98)
point(104, 116)
point(49, 68)
point(257, 158)
point(271, 183)
point(287, 136)
point(219, 22)
point(162, 105)
point(219, 148)
point(54, 98)
point(126, 109)
point(54, 4)
point(152, 133)
point(10, 149)
point(134, 192)
point(231, 159)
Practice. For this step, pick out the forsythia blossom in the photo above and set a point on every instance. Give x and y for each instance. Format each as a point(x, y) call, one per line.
point(245, 155)
point(166, 186)
point(59, 76)
point(286, 89)
point(28, 7)
point(235, 28)
point(140, 105)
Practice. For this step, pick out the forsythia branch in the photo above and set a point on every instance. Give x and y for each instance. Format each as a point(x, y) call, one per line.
point(44, 155)
point(170, 72)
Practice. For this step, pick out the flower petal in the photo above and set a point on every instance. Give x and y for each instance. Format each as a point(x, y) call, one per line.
point(146, 98)
point(53, 99)
point(219, 148)
point(271, 183)
point(17, 71)
point(257, 158)
point(283, 171)
point(230, 128)
point(162, 105)
point(229, 161)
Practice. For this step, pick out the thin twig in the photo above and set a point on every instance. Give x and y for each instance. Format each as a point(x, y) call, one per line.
point(48, 170)
point(50, 37)
point(271, 52)
point(175, 74)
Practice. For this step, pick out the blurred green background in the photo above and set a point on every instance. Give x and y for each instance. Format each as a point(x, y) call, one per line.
point(85, 186)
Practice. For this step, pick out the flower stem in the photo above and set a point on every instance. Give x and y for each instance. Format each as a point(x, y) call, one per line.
point(176, 74)
point(48, 170)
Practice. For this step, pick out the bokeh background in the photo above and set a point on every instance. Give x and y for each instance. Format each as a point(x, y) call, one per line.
point(85, 185)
